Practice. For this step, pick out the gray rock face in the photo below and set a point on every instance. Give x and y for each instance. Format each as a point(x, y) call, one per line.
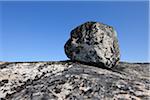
point(93, 42)
point(73, 81)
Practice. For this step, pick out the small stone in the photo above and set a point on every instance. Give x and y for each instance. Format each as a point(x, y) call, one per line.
point(93, 43)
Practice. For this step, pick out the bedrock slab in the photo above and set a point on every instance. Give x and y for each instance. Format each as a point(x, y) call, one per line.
point(67, 80)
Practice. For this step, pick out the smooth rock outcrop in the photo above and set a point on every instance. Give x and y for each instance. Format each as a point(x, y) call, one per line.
point(94, 42)
point(73, 81)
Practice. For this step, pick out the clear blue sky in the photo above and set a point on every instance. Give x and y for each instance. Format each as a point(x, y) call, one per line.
point(37, 31)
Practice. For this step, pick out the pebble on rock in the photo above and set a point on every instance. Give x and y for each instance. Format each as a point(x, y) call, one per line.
point(93, 43)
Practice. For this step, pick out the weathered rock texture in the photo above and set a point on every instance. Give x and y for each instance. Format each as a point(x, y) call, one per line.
point(93, 42)
point(73, 81)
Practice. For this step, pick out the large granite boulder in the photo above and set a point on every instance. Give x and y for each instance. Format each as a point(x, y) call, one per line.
point(93, 43)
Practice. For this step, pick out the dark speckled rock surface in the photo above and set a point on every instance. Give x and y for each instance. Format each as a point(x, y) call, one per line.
point(93, 42)
point(68, 80)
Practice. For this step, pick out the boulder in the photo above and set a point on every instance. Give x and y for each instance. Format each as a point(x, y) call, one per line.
point(93, 43)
